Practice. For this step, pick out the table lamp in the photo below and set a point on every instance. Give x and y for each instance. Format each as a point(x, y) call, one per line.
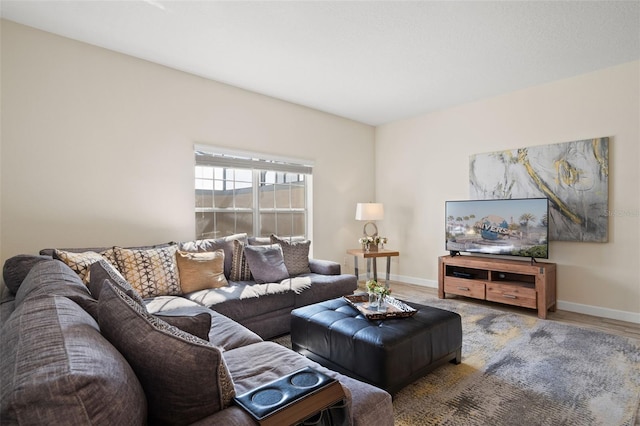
point(369, 212)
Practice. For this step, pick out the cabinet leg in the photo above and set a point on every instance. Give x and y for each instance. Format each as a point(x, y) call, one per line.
point(458, 359)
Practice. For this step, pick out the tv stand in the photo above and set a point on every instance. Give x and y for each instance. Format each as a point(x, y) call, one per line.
point(512, 282)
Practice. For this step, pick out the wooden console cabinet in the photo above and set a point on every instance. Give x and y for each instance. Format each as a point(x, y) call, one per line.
point(513, 282)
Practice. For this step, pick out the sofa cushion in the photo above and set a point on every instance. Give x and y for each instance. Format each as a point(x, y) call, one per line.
point(239, 267)
point(252, 366)
point(246, 299)
point(52, 277)
point(80, 262)
point(16, 268)
point(57, 368)
point(152, 272)
point(224, 332)
point(49, 251)
point(201, 270)
point(325, 287)
point(225, 243)
point(266, 263)
point(324, 267)
point(259, 241)
point(190, 384)
point(296, 255)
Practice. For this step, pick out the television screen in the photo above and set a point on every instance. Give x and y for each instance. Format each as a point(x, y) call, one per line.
point(513, 227)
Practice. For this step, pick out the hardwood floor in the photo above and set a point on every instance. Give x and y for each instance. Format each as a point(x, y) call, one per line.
point(406, 291)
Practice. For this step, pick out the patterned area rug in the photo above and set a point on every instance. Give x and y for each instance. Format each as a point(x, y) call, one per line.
point(520, 370)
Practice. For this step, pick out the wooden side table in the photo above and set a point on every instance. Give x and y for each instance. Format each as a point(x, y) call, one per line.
point(373, 255)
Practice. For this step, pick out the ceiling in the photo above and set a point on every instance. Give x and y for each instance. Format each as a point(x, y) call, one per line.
point(373, 62)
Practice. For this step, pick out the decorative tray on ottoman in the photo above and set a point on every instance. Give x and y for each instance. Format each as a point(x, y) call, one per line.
point(394, 308)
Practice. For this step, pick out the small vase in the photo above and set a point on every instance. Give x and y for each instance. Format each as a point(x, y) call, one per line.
point(373, 300)
point(380, 304)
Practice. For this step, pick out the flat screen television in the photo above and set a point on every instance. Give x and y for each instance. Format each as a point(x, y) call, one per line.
point(510, 227)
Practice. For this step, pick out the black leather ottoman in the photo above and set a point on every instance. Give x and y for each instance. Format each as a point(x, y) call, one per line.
point(389, 354)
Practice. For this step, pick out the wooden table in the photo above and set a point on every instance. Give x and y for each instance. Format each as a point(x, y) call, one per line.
point(373, 255)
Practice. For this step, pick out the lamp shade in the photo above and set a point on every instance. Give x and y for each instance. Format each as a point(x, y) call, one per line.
point(369, 211)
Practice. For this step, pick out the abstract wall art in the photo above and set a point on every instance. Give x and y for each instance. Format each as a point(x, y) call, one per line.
point(574, 176)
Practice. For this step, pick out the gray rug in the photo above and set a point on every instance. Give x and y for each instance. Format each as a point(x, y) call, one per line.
point(519, 370)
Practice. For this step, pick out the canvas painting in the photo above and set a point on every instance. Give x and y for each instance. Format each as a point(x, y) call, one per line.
point(574, 176)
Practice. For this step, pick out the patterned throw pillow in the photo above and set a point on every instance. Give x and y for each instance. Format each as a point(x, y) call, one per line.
point(199, 271)
point(80, 262)
point(296, 255)
point(151, 272)
point(187, 386)
point(239, 267)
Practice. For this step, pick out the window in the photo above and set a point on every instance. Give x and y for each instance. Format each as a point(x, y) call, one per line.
point(242, 192)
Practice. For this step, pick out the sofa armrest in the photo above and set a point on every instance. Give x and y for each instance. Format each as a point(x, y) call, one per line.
point(324, 267)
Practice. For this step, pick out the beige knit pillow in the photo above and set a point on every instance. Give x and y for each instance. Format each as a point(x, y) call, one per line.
point(296, 255)
point(81, 262)
point(151, 272)
point(199, 271)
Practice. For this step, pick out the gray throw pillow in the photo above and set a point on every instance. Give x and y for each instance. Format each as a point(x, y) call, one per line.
point(296, 255)
point(266, 263)
point(102, 273)
point(184, 377)
point(199, 325)
point(103, 270)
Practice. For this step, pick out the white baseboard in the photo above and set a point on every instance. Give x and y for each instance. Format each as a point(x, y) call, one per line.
point(599, 311)
point(596, 311)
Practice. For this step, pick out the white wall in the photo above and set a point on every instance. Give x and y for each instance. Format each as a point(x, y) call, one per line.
point(425, 161)
point(97, 148)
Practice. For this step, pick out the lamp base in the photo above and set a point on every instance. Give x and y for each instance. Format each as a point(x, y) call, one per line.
point(375, 230)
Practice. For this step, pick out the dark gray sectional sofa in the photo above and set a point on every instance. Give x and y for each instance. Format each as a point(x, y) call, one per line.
point(266, 308)
point(68, 357)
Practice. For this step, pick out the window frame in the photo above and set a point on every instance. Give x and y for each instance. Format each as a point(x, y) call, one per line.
point(258, 164)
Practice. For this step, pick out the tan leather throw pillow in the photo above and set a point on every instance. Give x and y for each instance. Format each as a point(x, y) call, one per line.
point(199, 271)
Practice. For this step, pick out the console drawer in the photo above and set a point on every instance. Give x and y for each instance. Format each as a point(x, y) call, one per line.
point(512, 294)
point(464, 287)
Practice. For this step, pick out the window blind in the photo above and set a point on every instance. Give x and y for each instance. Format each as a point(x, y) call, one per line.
point(210, 156)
